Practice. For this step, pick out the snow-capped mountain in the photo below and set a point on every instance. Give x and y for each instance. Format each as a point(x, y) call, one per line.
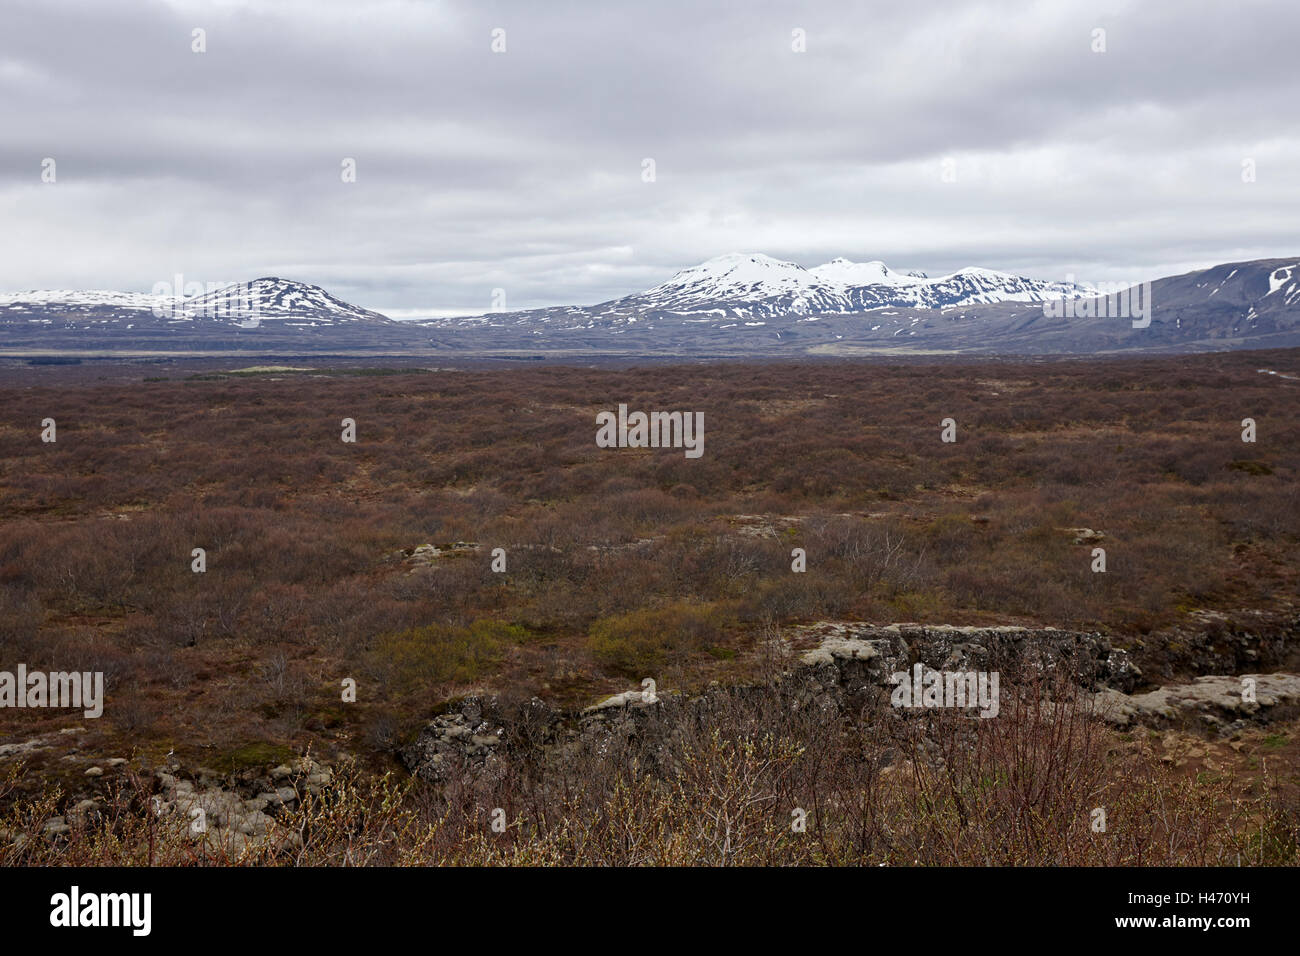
point(240, 305)
point(44, 304)
point(755, 286)
point(754, 304)
point(268, 314)
point(976, 286)
point(275, 299)
point(755, 283)
point(736, 305)
point(847, 273)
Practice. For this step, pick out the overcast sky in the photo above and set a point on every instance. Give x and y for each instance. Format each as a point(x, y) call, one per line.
point(523, 170)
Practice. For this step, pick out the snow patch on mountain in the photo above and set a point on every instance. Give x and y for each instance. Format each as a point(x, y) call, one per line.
point(82, 299)
point(1279, 278)
point(273, 298)
point(243, 305)
point(843, 272)
point(238, 307)
point(755, 285)
point(738, 275)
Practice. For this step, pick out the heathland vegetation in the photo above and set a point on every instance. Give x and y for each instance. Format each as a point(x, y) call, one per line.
point(625, 563)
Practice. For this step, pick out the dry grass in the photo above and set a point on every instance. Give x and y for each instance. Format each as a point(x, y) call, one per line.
point(728, 786)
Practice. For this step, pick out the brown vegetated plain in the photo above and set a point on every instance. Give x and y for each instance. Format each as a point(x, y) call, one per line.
point(627, 563)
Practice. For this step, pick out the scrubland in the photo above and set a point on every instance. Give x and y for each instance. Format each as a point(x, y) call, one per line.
point(627, 563)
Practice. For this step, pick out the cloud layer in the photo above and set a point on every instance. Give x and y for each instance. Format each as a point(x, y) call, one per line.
point(932, 136)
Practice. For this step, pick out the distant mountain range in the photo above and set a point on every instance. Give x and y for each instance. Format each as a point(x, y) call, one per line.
point(740, 304)
point(758, 286)
point(240, 304)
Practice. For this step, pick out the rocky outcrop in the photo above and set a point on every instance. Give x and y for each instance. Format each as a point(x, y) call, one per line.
point(1218, 643)
point(850, 666)
point(222, 815)
point(459, 739)
point(426, 557)
point(1226, 704)
point(837, 667)
point(233, 819)
point(865, 653)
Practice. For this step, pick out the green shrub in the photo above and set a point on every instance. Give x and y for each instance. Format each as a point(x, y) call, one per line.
point(1251, 467)
point(251, 756)
point(643, 641)
point(439, 654)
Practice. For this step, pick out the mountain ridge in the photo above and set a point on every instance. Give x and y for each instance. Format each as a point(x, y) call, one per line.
point(754, 285)
point(737, 304)
point(265, 297)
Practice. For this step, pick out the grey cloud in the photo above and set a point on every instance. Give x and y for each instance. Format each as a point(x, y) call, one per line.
point(522, 170)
